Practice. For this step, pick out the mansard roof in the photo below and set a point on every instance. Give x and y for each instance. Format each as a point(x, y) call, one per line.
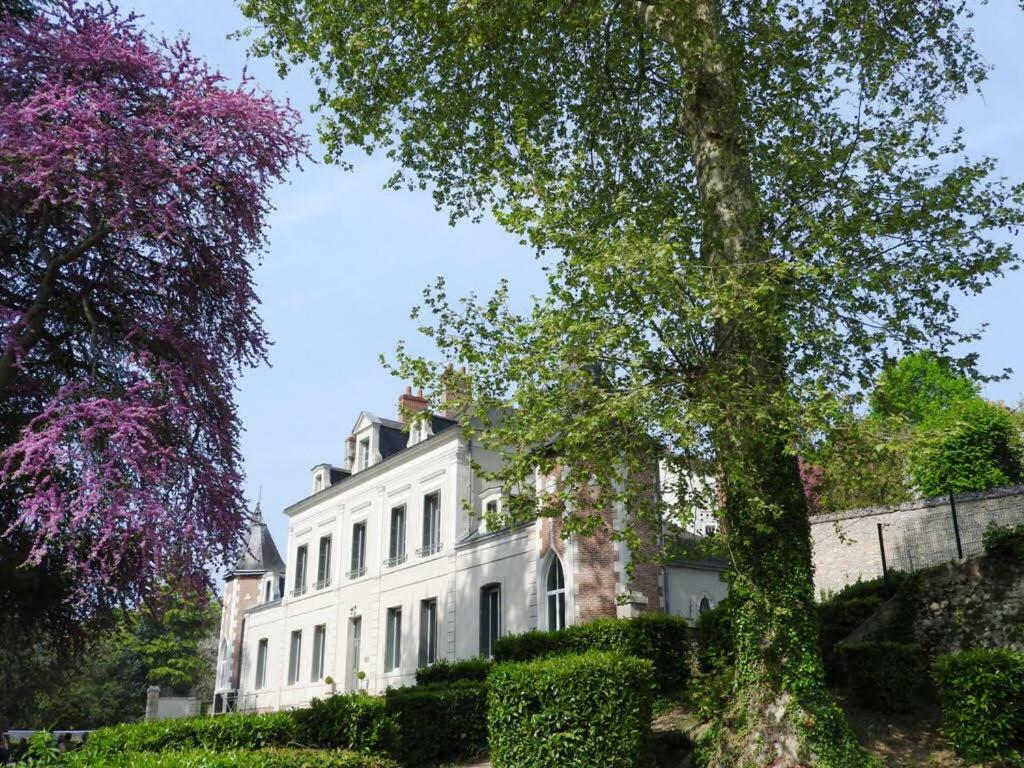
point(393, 434)
point(259, 554)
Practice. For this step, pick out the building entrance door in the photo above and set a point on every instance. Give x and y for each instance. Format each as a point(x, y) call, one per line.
point(356, 640)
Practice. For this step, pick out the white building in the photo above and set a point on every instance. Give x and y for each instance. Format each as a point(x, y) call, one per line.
point(392, 569)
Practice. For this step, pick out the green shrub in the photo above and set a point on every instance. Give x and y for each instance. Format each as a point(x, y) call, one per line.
point(982, 698)
point(217, 733)
point(837, 620)
point(715, 645)
point(442, 722)
point(879, 587)
point(265, 758)
point(444, 671)
point(1004, 541)
point(349, 721)
point(885, 676)
point(573, 711)
point(661, 639)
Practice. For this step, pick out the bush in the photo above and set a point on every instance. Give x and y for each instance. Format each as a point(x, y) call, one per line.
point(1003, 541)
point(661, 639)
point(349, 721)
point(573, 711)
point(442, 722)
point(449, 671)
point(837, 620)
point(982, 698)
point(217, 733)
point(885, 676)
point(715, 646)
point(266, 758)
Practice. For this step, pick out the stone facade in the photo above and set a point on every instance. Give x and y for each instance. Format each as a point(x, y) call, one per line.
point(917, 535)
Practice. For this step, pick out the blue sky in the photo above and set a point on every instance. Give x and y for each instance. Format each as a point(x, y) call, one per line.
point(347, 260)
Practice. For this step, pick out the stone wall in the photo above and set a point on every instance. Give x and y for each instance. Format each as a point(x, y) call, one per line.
point(918, 534)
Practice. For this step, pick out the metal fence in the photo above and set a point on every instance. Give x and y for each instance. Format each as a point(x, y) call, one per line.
point(947, 532)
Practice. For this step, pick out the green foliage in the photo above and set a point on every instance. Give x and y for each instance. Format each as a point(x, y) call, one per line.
point(575, 711)
point(982, 697)
point(264, 758)
point(918, 386)
point(444, 671)
point(716, 645)
point(1004, 541)
point(885, 676)
point(238, 731)
point(662, 639)
point(350, 721)
point(838, 619)
point(439, 723)
point(972, 446)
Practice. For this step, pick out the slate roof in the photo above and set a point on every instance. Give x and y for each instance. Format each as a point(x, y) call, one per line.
point(394, 437)
point(259, 554)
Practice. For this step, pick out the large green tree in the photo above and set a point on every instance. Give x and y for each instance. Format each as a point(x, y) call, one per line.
point(744, 206)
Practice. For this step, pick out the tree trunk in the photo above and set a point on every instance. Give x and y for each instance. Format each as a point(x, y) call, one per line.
point(781, 714)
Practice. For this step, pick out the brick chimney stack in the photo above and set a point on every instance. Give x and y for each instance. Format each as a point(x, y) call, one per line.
point(350, 453)
point(409, 403)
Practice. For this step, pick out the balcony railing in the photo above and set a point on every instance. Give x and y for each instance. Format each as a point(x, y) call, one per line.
point(355, 573)
point(391, 562)
point(323, 583)
point(299, 591)
point(430, 549)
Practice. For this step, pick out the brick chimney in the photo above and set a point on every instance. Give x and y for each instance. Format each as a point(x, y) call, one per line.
point(350, 453)
point(456, 386)
point(409, 403)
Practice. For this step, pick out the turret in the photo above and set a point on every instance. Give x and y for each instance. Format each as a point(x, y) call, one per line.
point(257, 577)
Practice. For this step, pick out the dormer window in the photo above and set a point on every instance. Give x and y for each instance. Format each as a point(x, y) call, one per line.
point(364, 453)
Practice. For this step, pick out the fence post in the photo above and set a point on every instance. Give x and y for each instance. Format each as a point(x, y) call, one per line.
point(956, 528)
point(881, 548)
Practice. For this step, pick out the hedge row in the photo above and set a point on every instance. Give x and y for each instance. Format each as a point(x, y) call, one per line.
point(885, 676)
point(573, 711)
point(444, 671)
point(982, 698)
point(414, 725)
point(661, 639)
point(266, 758)
point(438, 723)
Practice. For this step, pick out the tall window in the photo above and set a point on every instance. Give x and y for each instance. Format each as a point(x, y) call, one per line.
point(319, 641)
point(428, 632)
point(705, 605)
point(261, 664)
point(358, 564)
point(431, 524)
point(393, 641)
point(299, 587)
point(364, 453)
point(556, 594)
point(323, 563)
point(267, 587)
point(396, 550)
point(490, 618)
point(294, 657)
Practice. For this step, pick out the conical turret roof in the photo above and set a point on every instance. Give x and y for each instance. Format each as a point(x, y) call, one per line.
point(259, 554)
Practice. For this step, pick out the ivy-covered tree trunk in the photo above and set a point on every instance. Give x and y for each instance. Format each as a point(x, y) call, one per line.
point(781, 714)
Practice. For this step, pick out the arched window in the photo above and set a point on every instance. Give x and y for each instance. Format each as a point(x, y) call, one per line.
point(705, 605)
point(556, 594)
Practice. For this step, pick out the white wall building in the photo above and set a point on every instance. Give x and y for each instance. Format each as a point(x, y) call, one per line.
point(391, 569)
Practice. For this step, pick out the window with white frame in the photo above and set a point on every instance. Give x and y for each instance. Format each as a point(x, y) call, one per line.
point(364, 453)
point(490, 619)
point(357, 566)
point(299, 587)
point(261, 664)
point(323, 565)
point(705, 605)
point(556, 594)
point(393, 640)
point(294, 657)
point(431, 524)
point(396, 547)
point(267, 587)
point(428, 632)
point(319, 641)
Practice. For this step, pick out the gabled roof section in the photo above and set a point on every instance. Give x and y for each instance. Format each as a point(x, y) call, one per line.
point(259, 554)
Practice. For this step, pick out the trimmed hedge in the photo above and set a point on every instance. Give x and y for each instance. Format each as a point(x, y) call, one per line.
point(266, 758)
point(444, 671)
point(1003, 542)
point(837, 619)
point(443, 722)
point(348, 721)
point(661, 639)
point(225, 732)
point(578, 711)
point(885, 676)
point(982, 697)
point(716, 648)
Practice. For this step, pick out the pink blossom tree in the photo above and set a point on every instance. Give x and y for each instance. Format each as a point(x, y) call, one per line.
point(133, 199)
